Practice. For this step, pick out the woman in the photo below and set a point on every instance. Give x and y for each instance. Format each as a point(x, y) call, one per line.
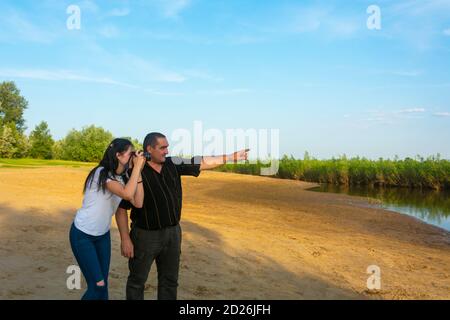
point(104, 188)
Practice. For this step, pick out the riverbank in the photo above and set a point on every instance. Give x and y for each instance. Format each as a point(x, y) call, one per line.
point(244, 237)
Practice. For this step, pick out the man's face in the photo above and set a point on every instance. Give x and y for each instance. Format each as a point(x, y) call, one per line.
point(160, 151)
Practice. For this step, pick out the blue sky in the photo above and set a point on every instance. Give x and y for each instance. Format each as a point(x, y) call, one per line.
point(309, 68)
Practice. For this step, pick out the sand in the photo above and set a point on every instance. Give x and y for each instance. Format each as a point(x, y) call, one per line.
point(244, 237)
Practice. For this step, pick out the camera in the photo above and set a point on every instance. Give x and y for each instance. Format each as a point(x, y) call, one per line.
point(146, 155)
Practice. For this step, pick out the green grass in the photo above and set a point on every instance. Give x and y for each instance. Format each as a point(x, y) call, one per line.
point(38, 163)
point(430, 173)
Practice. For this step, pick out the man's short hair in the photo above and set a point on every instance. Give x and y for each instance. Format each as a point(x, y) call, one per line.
point(151, 139)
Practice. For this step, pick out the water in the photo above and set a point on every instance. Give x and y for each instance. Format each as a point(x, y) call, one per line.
point(430, 206)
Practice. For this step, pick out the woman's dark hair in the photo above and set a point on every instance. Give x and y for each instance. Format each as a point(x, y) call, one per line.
point(109, 164)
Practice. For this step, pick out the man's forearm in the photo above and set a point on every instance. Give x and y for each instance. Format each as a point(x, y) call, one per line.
point(209, 163)
point(122, 223)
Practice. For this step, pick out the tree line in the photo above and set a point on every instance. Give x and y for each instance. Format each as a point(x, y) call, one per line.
point(87, 144)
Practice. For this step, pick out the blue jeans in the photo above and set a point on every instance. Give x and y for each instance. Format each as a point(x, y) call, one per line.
point(93, 255)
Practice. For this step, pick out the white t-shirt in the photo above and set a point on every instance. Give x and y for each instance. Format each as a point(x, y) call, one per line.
point(94, 217)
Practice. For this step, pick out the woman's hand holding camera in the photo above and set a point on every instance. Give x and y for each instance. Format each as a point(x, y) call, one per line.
point(139, 160)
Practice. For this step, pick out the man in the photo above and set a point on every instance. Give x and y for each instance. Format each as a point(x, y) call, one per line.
point(155, 231)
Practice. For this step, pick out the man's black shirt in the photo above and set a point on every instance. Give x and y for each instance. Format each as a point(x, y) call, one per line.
point(163, 193)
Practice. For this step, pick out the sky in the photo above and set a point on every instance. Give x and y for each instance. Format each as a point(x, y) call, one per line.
point(311, 69)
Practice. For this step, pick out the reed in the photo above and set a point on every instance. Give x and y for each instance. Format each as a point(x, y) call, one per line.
point(430, 173)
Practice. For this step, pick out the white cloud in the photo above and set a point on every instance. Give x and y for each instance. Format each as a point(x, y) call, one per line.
point(135, 69)
point(391, 117)
point(309, 19)
point(412, 73)
point(411, 110)
point(70, 75)
point(442, 114)
point(202, 75)
point(244, 39)
point(421, 7)
point(223, 92)
point(447, 32)
point(172, 8)
point(88, 6)
point(162, 93)
point(17, 26)
point(59, 75)
point(401, 73)
point(109, 31)
point(417, 22)
point(150, 71)
point(119, 12)
point(324, 19)
point(343, 27)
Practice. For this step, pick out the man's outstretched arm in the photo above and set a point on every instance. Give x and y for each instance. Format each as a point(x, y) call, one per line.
point(209, 163)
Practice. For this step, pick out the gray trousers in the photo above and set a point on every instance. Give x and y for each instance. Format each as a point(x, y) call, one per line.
point(164, 246)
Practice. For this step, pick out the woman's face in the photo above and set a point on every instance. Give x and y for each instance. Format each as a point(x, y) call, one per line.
point(125, 156)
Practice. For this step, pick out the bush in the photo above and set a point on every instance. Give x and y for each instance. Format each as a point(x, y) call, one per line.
point(87, 145)
point(13, 144)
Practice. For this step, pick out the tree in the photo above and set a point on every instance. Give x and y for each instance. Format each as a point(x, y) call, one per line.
point(57, 150)
point(87, 145)
point(136, 144)
point(12, 106)
point(6, 143)
point(13, 143)
point(41, 142)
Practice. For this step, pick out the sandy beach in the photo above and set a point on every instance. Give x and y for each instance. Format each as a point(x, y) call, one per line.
point(244, 237)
